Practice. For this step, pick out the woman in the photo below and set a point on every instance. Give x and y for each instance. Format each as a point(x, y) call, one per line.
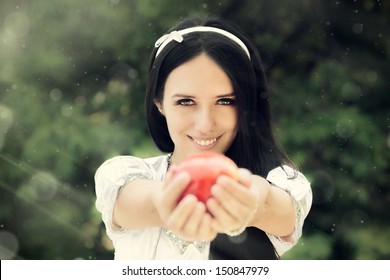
point(206, 92)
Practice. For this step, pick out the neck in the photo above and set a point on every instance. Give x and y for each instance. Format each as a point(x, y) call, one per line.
point(175, 158)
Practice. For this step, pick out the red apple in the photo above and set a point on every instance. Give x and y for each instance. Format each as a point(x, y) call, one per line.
point(204, 169)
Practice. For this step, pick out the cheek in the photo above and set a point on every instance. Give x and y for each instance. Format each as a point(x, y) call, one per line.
point(176, 122)
point(229, 119)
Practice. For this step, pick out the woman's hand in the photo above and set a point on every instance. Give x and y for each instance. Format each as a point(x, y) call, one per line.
point(188, 218)
point(234, 203)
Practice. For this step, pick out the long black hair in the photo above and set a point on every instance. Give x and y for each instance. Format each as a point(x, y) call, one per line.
point(254, 146)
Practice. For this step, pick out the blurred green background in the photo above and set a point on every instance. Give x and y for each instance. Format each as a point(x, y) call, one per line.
point(72, 80)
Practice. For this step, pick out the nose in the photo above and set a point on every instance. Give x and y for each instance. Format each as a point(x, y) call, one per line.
point(205, 120)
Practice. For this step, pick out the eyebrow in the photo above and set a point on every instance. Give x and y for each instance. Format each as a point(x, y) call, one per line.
point(179, 95)
point(227, 95)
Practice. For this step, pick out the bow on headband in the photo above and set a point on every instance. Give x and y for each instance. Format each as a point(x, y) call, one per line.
point(174, 35)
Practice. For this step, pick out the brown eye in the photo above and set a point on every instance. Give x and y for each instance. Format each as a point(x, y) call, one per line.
point(185, 102)
point(226, 101)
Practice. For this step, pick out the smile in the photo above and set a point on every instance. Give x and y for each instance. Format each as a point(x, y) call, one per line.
point(206, 142)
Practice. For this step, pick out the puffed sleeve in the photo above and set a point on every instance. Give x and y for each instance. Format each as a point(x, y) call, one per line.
point(110, 177)
point(296, 184)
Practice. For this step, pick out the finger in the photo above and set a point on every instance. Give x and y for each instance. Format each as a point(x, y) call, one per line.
point(231, 200)
point(244, 177)
point(179, 216)
point(232, 191)
point(221, 218)
point(194, 220)
point(206, 232)
point(213, 208)
point(175, 187)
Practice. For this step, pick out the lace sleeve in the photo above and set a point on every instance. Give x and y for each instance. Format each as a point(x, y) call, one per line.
point(296, 184)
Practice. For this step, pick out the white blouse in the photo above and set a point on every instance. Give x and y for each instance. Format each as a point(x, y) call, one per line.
point(158, 243)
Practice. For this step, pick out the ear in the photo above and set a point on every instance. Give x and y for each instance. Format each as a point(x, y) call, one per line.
point(159, 107)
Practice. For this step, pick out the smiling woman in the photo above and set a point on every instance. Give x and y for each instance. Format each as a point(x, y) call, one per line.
point(199, 107)
point(206, 92)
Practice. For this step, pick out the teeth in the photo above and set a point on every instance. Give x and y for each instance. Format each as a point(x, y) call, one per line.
point(205, 142)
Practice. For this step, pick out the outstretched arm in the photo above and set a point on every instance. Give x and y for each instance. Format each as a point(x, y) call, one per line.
point(147, 203)
point(251, 201)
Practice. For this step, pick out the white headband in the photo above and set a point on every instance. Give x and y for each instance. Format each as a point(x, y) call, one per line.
point(178, 37)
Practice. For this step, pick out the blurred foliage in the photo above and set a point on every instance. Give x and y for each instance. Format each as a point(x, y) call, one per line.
point(72, 79)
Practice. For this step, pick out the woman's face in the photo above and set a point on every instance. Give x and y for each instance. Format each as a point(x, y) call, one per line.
point(199, 106)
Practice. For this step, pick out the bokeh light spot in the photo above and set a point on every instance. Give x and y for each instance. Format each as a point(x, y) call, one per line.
point(9, 245)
